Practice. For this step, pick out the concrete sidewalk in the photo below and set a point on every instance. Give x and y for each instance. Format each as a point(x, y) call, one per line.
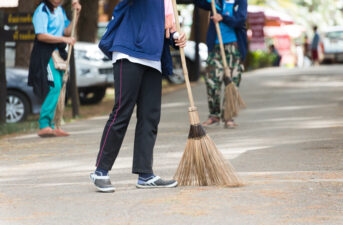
point(288, 149)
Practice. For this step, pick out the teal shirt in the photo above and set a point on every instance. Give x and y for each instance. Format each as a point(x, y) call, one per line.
point(46, 22)
point(228, 33)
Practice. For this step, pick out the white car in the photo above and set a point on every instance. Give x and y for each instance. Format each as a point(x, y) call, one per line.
point(177, 76)
point(332, 43)
point(94, 72)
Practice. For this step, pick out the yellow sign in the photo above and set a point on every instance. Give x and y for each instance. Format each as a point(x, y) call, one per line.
point(28, 35)
point(18, 18)
point(17, 35)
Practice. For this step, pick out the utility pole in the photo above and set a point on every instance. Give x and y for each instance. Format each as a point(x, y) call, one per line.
point(73, 87)
point(3, 83)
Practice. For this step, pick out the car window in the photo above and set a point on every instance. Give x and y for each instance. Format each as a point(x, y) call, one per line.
point(101, 30)
point(80, 53)
point(335, 35)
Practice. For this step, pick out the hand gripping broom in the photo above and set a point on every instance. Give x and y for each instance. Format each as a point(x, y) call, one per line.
point(202, 163)
point(233, 101)
point(61, 99)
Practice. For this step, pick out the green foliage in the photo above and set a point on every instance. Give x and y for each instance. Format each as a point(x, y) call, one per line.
point(259, 59)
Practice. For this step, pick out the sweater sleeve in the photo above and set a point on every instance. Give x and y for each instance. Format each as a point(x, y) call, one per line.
point(239, 18)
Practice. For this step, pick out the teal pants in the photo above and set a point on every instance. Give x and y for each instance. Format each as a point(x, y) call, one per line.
point(47, 112)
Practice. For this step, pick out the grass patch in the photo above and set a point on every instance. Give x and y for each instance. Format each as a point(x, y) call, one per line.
point(23, 127)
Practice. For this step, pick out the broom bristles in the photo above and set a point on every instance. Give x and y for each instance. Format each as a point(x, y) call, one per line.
point(202, 164)
point(233, 102)
point(60, 108)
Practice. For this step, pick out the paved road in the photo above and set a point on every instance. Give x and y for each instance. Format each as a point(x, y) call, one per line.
point(288, 149)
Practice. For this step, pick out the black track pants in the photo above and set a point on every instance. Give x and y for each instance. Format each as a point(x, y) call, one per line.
point(134, 84)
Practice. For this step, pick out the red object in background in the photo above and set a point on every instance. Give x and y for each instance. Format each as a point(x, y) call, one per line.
point(283, 43)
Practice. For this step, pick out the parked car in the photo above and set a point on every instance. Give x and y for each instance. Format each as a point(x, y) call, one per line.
point(94, 76)
point(177, 77)
point(332, 44)
point(94, 72)
point(21, 101)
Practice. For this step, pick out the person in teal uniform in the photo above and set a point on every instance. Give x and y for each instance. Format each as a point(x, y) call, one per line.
point(53, 30)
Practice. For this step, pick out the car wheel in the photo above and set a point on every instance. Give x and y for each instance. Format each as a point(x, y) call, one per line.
point(92, 96)
point(17, 107)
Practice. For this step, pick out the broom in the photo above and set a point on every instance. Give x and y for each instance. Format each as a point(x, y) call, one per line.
point(202, 163)
point(233, 101)
point(61, 99)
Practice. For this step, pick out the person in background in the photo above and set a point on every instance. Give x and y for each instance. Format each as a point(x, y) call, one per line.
point(137, 40)
point(315, 46)
point(274, 52)
point(53, 30)
point(307, 52)
point(231, 16)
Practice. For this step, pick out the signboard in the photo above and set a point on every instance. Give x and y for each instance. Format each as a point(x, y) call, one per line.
point(21, 33)
point(18, 19)
point(8, 3)
point(22, 22)
point(17, 35)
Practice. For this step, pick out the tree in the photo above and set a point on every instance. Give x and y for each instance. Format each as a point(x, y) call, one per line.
point(203, 25)
point(23, 50)
point(308, 12)
point(88, 22)
point(110, 6)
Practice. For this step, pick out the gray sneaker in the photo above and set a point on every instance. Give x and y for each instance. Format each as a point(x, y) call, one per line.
point(102, 183)
point(156, 182)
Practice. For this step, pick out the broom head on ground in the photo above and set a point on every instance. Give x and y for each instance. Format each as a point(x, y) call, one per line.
point(202, 164)
point(233, 101)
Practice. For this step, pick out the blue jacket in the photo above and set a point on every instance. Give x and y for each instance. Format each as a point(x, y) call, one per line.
point(237, 21)
point(137, 29)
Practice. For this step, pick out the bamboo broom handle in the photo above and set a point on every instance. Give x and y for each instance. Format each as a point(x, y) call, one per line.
point(183, 58)
point(60, 104)
point(72, 34)
point(220, 39)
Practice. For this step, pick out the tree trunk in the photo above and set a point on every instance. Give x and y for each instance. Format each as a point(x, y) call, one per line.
point(110, 6)
point(203, 25)
point(88, 22)
point(23, 50)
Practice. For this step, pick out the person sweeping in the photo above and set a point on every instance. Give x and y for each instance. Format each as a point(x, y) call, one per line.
point(52, 30)
point(231, 16)
point(137, 40)
point(202, 163)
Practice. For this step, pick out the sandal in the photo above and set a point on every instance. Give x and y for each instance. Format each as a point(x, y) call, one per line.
point(212, 120)
point(230, 124)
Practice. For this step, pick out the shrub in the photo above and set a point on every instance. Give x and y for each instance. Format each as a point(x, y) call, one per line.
point(259, 59)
